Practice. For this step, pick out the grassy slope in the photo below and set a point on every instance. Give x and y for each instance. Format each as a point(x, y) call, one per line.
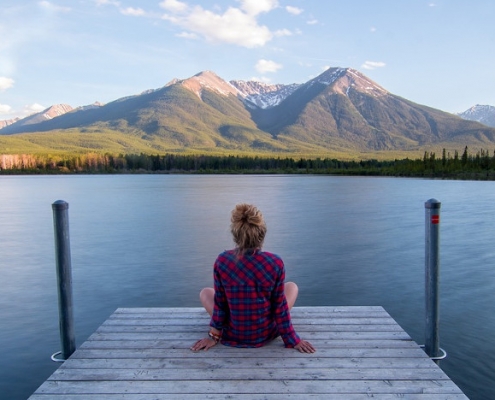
point(114, 142)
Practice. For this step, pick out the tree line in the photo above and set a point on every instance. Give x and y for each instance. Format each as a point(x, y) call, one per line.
point(454, 166)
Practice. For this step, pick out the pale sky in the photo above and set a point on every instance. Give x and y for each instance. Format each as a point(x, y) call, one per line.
point(440, 53)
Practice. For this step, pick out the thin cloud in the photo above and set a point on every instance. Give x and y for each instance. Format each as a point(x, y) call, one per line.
point(262, 79)
point(264, 66)
point(6, 83)
point(294, 10)
point(134, 12)
point(236, 25)
point(282, 32)
point(129, 11)
point(107, 2)
point(29, 109)
point(52, 7)
point(373, 64)
point(5, 109)
point(33, 108)
point(312, 22)
point(174, 6)
point(255, 7)
point(187, 35)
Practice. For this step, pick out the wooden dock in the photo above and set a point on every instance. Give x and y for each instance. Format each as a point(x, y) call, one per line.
point(143, 354)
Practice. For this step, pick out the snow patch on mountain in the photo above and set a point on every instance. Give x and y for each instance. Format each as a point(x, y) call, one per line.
point(263, 95)
point(354, 80)
point(330, 76)
point(252, 93)
point(484, 114)
point(343, 80)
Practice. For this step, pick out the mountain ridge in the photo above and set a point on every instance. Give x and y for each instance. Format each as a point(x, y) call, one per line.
point(339, 110)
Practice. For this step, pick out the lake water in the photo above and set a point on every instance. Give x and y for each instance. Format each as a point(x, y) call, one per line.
point(150, 241)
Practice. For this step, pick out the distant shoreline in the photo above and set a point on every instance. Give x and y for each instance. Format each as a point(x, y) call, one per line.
point(480, 166)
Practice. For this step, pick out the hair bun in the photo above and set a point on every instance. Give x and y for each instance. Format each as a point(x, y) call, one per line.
point(247, 213)
point(247, 226)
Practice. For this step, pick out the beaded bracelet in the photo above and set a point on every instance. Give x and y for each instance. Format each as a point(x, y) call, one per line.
point(215, 336)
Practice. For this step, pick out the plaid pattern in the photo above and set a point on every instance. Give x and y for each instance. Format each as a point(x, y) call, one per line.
point(250, 304)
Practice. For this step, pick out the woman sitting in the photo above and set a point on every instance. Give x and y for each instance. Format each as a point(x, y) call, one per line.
point(250, 303)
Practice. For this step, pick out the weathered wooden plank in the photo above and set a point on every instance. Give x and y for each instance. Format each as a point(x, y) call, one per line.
point(249, 363)
point(202, 329)
point(173, 344)
point(200, 310)
point(236, 373)
point(295, 313)
point(250, 396)
point(243, 386)
point(346, 335)
point(253, 353)
point(205, 321)
point(296, 316)
point(187, 343)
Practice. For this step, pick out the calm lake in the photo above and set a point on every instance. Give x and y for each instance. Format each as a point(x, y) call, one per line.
point(150, 241)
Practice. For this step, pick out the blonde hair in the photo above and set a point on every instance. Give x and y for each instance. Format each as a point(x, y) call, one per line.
point(248, 227)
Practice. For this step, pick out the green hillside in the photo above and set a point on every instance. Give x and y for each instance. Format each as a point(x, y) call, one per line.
point(340, 114)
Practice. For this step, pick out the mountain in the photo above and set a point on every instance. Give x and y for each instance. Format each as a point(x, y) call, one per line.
point(340, 110)
point(343, 109)
point(19, 125)
point(7, 122)
point(483, 114)
point(45, 115)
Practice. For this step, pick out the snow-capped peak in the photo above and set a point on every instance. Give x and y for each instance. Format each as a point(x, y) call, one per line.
point(481, 113)
point(261, 94)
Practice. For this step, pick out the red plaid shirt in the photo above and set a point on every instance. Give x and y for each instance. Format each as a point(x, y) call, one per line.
point(250, 304)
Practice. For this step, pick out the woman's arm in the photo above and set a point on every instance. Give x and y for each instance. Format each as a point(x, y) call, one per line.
point(283, 320)
point(217, 318)
point(220, 305)
point(281, 311)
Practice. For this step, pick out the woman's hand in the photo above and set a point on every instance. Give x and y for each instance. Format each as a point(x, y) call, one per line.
point(203, 344)
point(305, 347)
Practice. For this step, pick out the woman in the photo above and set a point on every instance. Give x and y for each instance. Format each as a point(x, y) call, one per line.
point(249, 305)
